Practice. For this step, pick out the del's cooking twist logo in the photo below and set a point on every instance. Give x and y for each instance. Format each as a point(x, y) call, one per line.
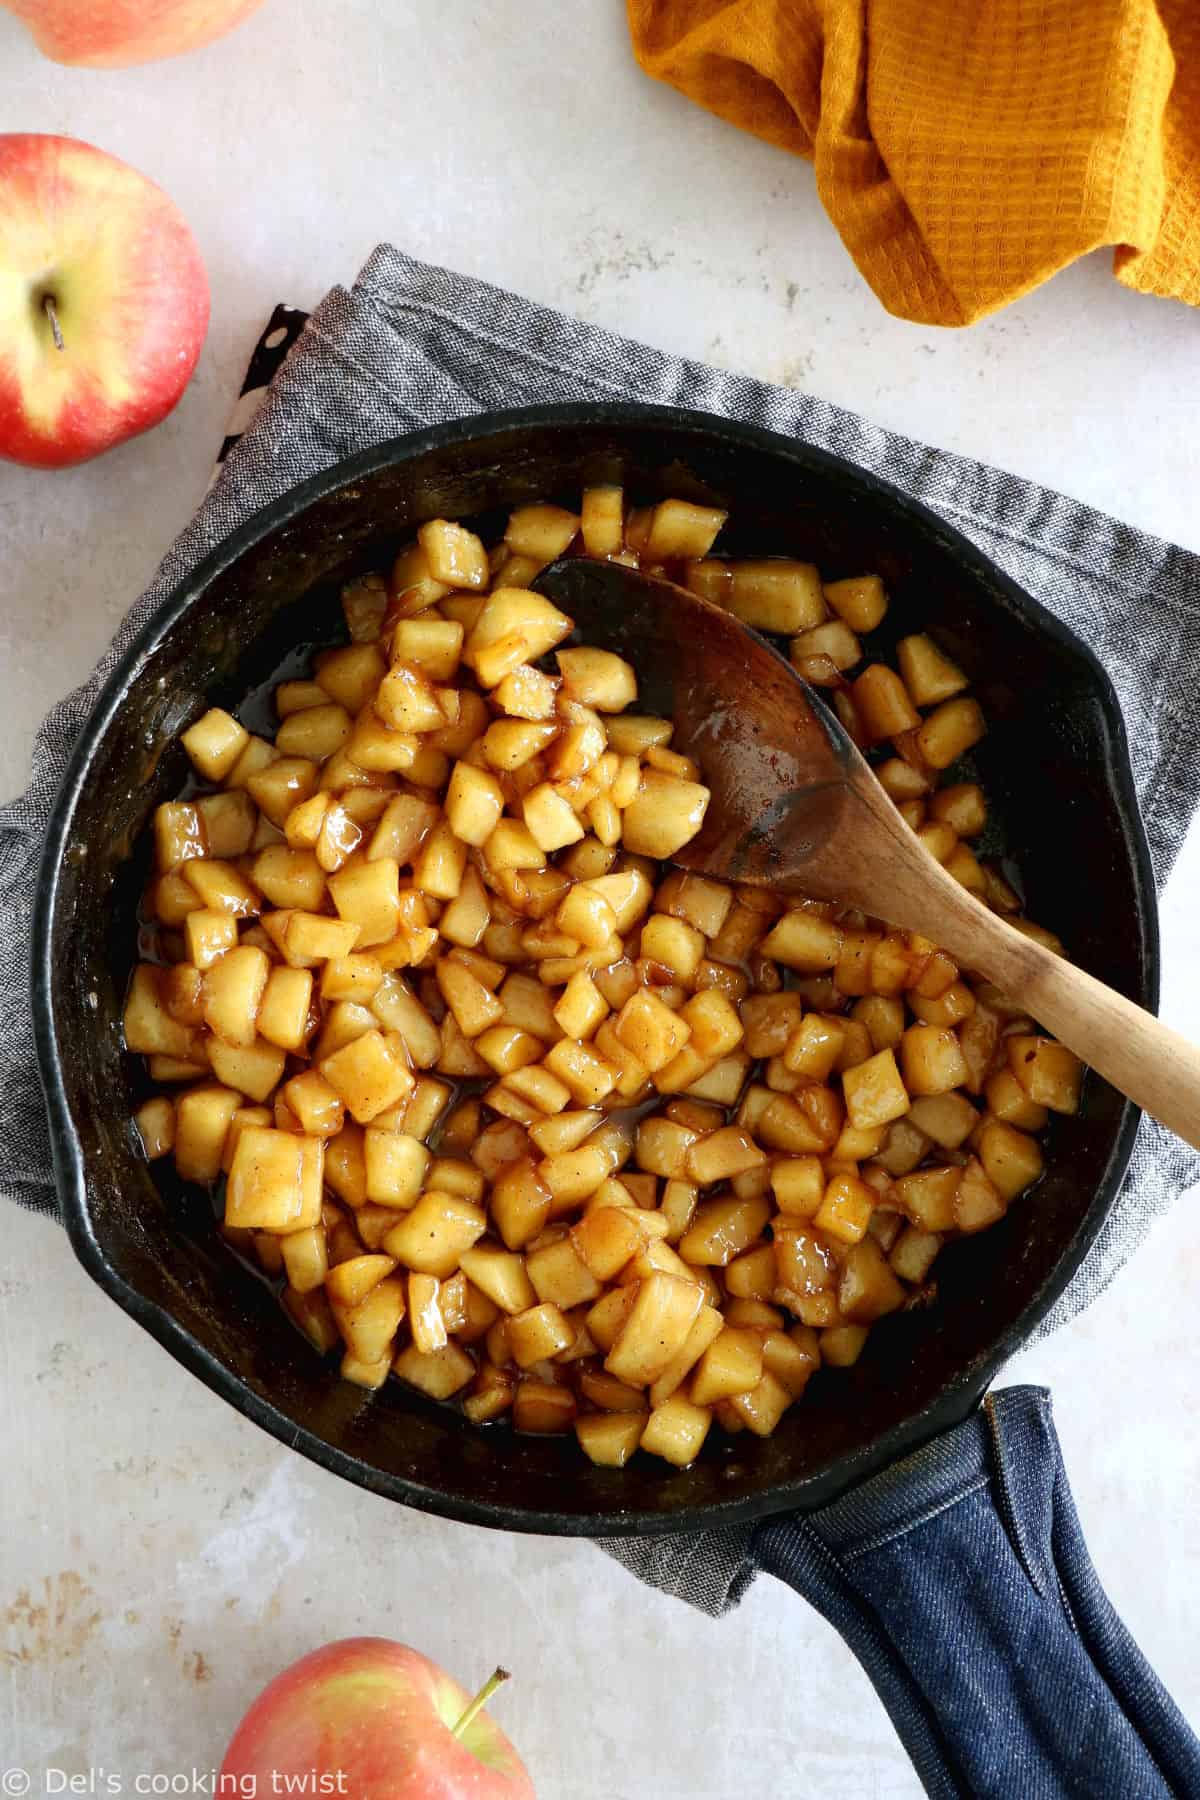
point(15, 1784)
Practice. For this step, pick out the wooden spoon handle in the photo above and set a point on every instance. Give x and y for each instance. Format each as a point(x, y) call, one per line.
point(1153, 1065)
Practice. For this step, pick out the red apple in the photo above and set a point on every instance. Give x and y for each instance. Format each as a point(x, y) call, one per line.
point(103, 301)
point(377, 1721)
point(113, 34)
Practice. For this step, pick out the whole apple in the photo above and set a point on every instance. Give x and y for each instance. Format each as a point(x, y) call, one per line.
point(114, 34)
point(373, 1720)
point(103, 301)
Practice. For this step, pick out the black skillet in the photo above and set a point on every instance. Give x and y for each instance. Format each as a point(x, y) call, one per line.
point(1055, 763)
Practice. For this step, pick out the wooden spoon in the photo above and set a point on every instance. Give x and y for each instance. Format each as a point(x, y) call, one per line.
point(796, 808)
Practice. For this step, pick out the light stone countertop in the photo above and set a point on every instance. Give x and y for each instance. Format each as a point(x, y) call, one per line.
point(159, 1557)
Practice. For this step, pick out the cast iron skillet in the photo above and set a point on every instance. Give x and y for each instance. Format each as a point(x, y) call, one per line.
point(1055, 763)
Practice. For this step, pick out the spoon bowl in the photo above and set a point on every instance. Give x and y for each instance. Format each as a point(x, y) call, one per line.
point(778, 762)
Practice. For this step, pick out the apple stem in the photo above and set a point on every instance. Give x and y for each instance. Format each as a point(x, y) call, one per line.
point(495, 1680)
point(51, 312)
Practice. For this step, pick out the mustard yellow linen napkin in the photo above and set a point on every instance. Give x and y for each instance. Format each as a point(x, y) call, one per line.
point(965, 149)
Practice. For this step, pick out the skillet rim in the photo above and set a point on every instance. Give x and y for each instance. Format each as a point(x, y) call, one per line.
point(954, 1401)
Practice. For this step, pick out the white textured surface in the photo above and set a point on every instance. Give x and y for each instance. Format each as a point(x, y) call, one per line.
point(159, 1558)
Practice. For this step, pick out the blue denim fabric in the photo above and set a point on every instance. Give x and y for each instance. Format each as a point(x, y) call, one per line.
point(960, 1579)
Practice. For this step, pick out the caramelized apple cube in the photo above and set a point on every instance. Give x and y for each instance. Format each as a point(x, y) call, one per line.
point(304, 1259)
point(309, 736)
point(950, 731)
point(155, 1123)
point(233, 990)
point(713, 1022)
point(867, 1288)
point(846, 1208)
point(1008, 1100)
point(439, 1373)
point(284, 1007)
point(349, 1282)
point(369, 1075)
point(543, 1407)
point(665, 814)
point(874, 1092)
point(659, 1319)
point(514, 626)
point(539, 1334)
point(929, 675)
point(502, 1276)
point(368, 895)
point(609, 1439)
point(605, 1319)
point(776, 594)
point(798, 1183)
point(858, 599)
point(927, 1197)
point(1050, 1074)
point(425, 1320)
point(931, 1059)
point(662, 1147)
point(455, 556)
point(751, 1276)
point(650, 1030)
point(732, 1364)
point(559, 1274)
point(607, 1239)
point(572, 1175)
point(318, 1110)
point(761, 1409)
point(792, 1358)
point(588, 1077)
point(474, 803)
point(150, 1029)
point(803, 940)
point(370, 1375)
point(1012, 1160)
point(978, 1202)
point(913, 1253)
point(602, 519)
point(586, 916)
point(433, 1237)
point(222, 887)
point(202, 1118)
point(275, 1179)
point(214, 744)
point(949, 1119)
point(676, 1431)
point(395, 1167)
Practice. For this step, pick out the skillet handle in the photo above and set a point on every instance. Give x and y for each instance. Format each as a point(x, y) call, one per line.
point(960, 1579)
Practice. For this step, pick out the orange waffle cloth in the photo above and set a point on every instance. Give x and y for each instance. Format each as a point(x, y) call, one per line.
point(965, 149)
